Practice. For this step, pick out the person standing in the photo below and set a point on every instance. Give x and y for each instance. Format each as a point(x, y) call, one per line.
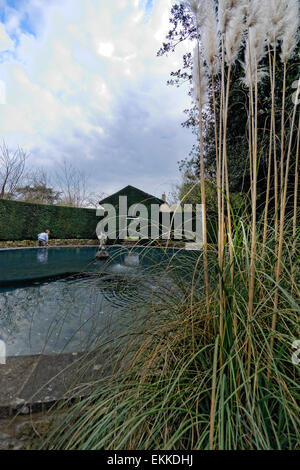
point(43, 238)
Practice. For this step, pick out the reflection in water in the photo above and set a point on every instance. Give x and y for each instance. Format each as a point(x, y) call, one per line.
point(132, 260)
point(42, 255)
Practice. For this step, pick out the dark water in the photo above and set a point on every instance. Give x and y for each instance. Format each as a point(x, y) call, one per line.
point(61, 300)
point(38, 263)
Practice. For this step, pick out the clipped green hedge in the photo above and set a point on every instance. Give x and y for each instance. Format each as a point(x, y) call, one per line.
point(23, 221)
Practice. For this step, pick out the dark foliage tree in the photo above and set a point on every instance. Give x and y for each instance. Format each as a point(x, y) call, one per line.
point(38, 194)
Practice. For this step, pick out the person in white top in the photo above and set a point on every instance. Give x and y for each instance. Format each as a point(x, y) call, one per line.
point(43, 238)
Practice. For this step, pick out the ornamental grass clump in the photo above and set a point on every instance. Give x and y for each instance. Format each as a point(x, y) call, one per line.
point(173, 385)
point(206, 362)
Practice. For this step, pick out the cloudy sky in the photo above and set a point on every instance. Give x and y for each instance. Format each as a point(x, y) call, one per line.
point(80, 80)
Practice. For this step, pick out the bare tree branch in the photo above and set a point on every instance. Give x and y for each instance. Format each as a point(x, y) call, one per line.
point(72, 184)
point(12, 166)
point(93, 199)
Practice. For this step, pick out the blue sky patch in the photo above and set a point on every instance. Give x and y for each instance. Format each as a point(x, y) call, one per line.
point(19, 8)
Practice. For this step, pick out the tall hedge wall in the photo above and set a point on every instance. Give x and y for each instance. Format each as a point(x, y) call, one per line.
point(23, 221)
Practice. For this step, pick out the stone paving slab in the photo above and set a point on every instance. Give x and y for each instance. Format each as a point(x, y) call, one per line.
point(34, 383)
point(13, 377)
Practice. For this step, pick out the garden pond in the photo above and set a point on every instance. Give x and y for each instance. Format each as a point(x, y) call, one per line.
point(55, 300)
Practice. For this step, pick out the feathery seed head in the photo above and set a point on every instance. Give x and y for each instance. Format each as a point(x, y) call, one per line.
point(255, 51)
point(226, 11)
point(290, 33)
point(275, 18)
point(234, 35)
point(256, 12)
point(210, 39)
point(200, 84)
point(192, 5)
point(198, 10)
point(256, 42)
point(224, 15)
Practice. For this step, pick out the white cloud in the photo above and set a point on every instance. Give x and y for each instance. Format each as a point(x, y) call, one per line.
point(106, 49)
point(88, 82)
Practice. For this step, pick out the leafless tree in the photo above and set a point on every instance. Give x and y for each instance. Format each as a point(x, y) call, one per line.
point(93, 199)
point(72, 184)
point(38, 177)
point(12, 166)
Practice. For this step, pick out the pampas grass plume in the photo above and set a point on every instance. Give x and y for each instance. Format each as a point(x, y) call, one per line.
point(226, 10)
point(210, 39)
point(200, 83)
point(234, 34)
point(198, 10)
point(275, 18)
point(290, 30)
point(256, 43)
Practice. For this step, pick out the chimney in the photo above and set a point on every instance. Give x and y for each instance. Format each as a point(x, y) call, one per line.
point(164, 197)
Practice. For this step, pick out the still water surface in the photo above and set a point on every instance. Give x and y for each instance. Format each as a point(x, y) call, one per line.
point(61, 300)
